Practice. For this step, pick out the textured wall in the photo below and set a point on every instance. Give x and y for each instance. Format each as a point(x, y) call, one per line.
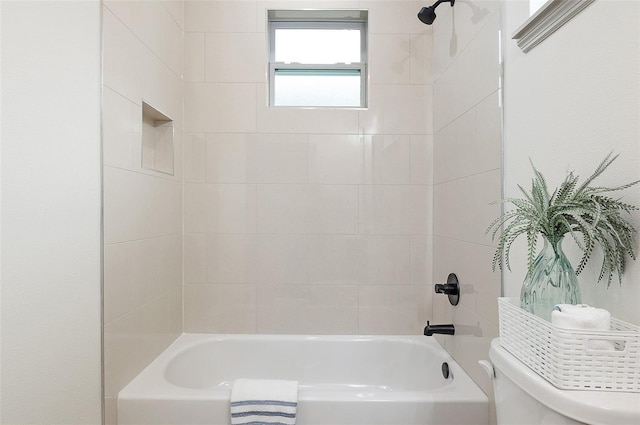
point(50, 299)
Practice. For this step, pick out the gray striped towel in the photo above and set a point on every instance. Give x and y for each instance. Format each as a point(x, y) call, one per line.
point(264, 402)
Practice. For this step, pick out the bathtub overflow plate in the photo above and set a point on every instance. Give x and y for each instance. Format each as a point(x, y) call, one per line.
point(445, 370)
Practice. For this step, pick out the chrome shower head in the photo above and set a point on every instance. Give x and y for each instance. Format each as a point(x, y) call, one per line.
point(428, 14)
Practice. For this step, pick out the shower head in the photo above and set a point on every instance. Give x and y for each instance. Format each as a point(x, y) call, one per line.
point(428, 14)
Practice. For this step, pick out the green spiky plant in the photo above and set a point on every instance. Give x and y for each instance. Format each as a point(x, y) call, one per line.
point(586, 212)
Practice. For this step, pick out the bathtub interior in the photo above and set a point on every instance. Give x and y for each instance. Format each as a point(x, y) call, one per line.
point(332, 363)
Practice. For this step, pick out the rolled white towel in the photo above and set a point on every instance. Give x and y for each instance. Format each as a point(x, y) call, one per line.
point(264, 401)
point(584, 317)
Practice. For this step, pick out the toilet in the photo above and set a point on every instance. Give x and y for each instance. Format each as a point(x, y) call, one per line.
point(524, 397)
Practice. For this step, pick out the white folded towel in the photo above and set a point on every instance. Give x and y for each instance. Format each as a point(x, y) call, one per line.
point(582, 316)
point(264, 401)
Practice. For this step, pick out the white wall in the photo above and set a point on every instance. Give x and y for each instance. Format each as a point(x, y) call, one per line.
point(51, 209)
point(568, 102)
point(142, 207)
point(305, 220)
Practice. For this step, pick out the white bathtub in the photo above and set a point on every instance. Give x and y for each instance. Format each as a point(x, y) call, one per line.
point(355, 380)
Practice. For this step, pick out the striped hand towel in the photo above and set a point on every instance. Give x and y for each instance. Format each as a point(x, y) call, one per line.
point(264, 402)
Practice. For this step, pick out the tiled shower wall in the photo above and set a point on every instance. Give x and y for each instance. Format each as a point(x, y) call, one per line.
point(142, 44)
point(467, 175)
point(305, 220)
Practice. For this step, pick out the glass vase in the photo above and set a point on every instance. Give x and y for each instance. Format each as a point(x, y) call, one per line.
point(551, 281)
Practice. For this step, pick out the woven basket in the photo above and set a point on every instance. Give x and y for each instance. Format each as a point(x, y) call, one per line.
point(563, 357)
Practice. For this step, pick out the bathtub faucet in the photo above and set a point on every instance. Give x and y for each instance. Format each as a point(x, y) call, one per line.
point(439, 329)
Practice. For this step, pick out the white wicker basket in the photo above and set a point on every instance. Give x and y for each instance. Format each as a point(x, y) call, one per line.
point(563, 356)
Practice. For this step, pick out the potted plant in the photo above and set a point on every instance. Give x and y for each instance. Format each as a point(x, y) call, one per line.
point(587, 213)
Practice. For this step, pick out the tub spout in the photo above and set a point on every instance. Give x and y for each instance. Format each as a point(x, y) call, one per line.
point(439, 329)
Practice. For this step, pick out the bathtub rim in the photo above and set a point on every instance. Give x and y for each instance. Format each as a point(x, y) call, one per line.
point(151, 384)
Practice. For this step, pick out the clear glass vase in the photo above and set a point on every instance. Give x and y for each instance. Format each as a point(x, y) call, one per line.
point(551, 281)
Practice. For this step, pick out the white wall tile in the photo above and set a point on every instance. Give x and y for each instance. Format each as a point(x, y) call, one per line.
point(471, 343)
point(142, 209)
point(219, 208)
point(120, 9)
point(156, 265)
point(280, 259)
point(111, 411)
point(489, 136)
point(308, 309)
point(337, 259)
point(395, 209)
point(229, 258)
point(394, 17)
point(456, 29)
point(335, 159)
point(256, 158)
point(194, 57)
point(176, 10)
point(471, 143)
point(422, 159)
point(178, 152)
point(226, 158)
point(118, 285)
point(236, 57)
point(117, 61)
point(133, 341)
point(195, 261)
point(479, 286)
point(387, 259)
point(118, 129)
point(174, 312)
point(121, 209)
point(390, 58)
point(194, 150)
point(398, 109)
point(421, 58)
point(331, 209)
point(255, 258)
point(219, 16)
point(174, 98)
point(359, 259)
point(466, 173)
point(303, 120)
point(393, 309)
point(154, 25)
point(303, 167)
point(387, 159)
point(422, 260)
point(458, 89)
point(219, 108)
point(277, 158)
point(220, 308)
point(464, 208)
point(455, 148)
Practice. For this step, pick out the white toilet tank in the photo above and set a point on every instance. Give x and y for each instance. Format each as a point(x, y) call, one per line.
point(523, 397)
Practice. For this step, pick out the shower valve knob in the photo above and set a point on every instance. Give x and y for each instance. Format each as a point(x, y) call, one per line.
point(451, 289)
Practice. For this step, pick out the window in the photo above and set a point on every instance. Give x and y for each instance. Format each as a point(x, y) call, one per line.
point(318, 58)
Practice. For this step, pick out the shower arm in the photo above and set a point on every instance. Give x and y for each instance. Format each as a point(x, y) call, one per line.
point(436, 4)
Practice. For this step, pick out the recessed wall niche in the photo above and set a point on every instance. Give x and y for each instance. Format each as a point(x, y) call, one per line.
point(157, 140)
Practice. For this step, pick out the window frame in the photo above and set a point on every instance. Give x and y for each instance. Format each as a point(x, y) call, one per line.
point(321, 23)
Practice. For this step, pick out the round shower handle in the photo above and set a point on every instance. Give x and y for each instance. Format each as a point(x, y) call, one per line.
point(451, 289)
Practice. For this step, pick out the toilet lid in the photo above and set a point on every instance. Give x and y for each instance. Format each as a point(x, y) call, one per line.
point(591, 407)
